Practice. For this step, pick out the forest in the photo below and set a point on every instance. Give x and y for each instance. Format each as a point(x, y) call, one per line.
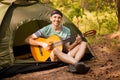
point(100, 15)
point(103, 16)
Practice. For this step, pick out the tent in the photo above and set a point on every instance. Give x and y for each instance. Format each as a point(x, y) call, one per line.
point(18, 19)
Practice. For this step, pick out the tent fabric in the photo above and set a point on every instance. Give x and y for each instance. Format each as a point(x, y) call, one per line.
point(3, 9)
point(28, 67)
point(18, 22)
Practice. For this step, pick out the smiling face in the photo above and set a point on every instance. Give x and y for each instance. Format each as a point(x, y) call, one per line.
point(56, 19)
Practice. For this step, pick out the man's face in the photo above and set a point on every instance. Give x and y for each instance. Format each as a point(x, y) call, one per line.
point(56, 19)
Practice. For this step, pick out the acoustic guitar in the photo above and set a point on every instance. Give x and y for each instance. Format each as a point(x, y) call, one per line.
point(40, 54)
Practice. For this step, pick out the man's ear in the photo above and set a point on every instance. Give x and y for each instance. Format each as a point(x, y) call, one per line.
point(50, 18)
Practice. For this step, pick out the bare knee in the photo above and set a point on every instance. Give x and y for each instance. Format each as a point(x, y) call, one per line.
point(83, 43)
point(55, 51)
point(54, 54)
point(53, 58)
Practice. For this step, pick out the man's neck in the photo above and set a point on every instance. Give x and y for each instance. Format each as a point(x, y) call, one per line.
point(57, 28)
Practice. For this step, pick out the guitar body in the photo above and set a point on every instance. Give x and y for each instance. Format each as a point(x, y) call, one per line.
point(39, 53)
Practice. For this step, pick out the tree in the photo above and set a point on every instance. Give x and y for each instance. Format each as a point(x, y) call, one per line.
point(117, 2)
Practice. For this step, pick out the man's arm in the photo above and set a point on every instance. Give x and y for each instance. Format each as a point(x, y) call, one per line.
point(32, 41)
point(75, 43)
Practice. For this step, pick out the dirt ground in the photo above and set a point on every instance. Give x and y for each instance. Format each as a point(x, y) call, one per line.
point(104, 66)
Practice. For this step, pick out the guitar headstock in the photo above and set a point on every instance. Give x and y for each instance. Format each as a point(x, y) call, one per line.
point(89, 33)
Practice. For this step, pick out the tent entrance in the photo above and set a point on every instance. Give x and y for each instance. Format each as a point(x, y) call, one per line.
point(22, 52)
point(20, 48)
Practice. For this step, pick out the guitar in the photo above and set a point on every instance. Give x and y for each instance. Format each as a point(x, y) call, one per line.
point(40, 54)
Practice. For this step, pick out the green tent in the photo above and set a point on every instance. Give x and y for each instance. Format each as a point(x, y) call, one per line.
point(19, 19)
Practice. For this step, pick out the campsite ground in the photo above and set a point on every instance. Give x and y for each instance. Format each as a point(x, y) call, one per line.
point(104, 66)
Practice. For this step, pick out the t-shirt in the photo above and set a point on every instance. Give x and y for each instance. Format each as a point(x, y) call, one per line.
point(48, 31)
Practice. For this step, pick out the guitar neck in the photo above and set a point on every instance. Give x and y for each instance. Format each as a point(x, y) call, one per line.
point(62, 42)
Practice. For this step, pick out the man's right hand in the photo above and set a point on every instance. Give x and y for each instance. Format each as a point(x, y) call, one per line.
point(47, 46)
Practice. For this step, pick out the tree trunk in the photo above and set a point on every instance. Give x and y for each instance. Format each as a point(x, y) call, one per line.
point(117, 2)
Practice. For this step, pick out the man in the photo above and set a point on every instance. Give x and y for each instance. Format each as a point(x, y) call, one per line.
point(75, 51)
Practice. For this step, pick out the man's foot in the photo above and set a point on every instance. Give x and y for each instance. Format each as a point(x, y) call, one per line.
point(80, 68)
point(71, 68)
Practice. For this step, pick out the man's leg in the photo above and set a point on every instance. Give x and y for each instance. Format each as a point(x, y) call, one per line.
point(74, 51)
point(64, 57)
point(73, 56)
point(80, 53)
point(71, 53)
point(75, 66)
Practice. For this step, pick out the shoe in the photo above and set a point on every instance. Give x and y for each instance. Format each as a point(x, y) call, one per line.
point(71, 68)
point(79, 68)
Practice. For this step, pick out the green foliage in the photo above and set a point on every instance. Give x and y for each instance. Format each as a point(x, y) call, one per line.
point(106, 23)
point(89, 14)
point(69, 7)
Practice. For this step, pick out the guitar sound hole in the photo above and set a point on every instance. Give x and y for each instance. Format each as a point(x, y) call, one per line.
point(40, 48)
